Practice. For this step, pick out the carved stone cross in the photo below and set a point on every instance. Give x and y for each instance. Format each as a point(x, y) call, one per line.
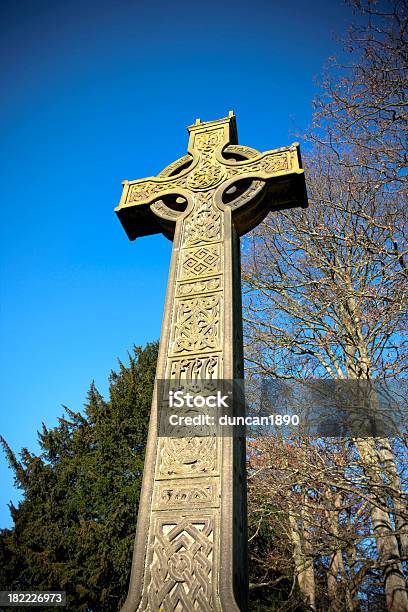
point(190, 547)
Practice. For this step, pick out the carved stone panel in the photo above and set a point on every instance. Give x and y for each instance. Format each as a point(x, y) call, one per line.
point(208, 172)
point(170, 494)
point(199, 287)
point(183, 552)
point(207, 367)
point(197, 325)
point(204, 223)
point(201, 261)
point(193, 456)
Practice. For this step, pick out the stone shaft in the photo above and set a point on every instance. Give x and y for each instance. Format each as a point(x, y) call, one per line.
point(187, 505)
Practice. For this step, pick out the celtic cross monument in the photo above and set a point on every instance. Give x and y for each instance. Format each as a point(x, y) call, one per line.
point(190, 547)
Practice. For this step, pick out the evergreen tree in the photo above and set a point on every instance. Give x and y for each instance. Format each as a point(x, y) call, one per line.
point(74, 529)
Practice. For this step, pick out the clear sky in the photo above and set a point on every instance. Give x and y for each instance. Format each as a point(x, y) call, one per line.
point(94, 92)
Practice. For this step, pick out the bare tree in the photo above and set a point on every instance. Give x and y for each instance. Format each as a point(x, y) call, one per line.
point(315, 500)
point(325, 289)
point(363, 104)
point(327, 283)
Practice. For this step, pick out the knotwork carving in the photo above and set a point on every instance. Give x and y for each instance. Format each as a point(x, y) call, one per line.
point(182, 566)
point(204, 223)
point(207, 142)
point(146, 189)
point(187, 456)
point(197, 325)
point(207, 172)
point(269, 163)
point(276, 163)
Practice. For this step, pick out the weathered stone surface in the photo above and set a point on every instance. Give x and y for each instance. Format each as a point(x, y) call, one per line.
point(190, 548)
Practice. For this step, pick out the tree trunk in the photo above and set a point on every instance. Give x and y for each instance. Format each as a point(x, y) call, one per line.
point(387, 545)
point(303, 565)
point(399, 504)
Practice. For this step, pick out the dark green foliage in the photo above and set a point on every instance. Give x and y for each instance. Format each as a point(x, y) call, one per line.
point(74, 529)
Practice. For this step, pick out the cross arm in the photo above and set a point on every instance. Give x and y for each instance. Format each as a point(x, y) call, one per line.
point(282, 171)
point(135, 206)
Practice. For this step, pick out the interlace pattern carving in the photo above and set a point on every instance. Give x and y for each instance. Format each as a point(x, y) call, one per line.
point(187, 456)
point(269, 163)
point(207, 173)
point(147, 189)
point(182, 565)
point(204, 223)
point(197, 325)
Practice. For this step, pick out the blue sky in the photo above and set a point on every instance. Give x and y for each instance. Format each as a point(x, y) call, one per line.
point(92, 93)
